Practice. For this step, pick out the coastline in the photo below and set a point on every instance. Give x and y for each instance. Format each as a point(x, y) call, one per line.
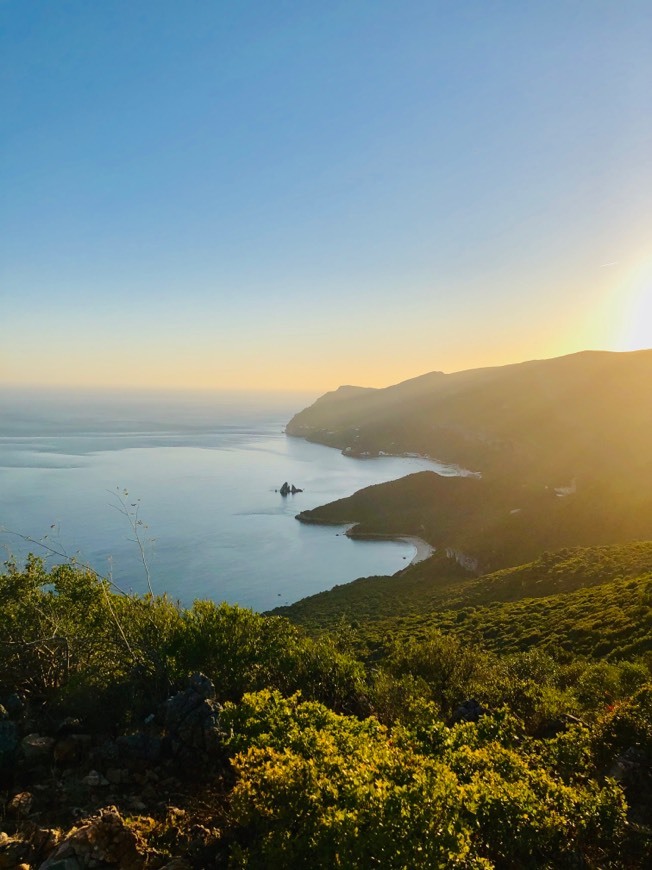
point(423, 550)
point(447, 469)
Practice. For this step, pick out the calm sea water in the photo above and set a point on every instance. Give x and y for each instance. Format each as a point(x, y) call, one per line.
point(203, 471)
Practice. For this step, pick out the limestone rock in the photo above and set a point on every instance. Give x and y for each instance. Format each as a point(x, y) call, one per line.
point(94, 779)
point(12, 852)
point(140, 746)
point(37, 748)
point(191, 718)
point(103, 841)
point(71, 748)
point(21, 803)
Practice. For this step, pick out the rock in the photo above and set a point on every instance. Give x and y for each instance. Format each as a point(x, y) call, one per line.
point(68, 726)
point(21, 803)
point(468, 711)
point(191, 718)
point(36, 748)
point(140, 746)
point(71, 748)
point(286, 489)
point(65, 864)
point(66, 751)
point(109, 752)
point(104, 841)
point(42, 842)
point(12, 853)
point(201, 685)
point(630, 766)
point(137, 805)
point(94, 779)
point(117, 775)
point(150, 793)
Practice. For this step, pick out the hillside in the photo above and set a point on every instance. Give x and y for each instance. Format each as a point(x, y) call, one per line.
point(592, 601)
point(494, 522)
point(586, 417)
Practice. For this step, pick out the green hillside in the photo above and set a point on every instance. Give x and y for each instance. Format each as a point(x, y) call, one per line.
point(496, 522)
point(439, 583)
point(591, 601)
point(586, 416)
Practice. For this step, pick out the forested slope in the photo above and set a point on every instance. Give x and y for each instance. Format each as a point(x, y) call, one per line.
point(497, 523)
point(440, 583)
point(585, 416)
point(593, 602)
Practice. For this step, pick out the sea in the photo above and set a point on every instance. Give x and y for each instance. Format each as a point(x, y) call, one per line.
point(180, 491)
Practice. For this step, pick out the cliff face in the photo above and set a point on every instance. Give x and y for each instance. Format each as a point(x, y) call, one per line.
point(584, 416)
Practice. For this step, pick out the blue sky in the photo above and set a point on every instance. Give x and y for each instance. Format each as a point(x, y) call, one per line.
point(302, 194)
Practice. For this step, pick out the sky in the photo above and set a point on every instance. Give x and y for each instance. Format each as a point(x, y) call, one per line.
point(244, 194)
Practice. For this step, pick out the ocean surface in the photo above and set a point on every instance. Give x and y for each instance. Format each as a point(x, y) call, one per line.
point(201, 474)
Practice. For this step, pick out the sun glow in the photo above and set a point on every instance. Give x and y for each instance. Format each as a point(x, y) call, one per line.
point(634, 327)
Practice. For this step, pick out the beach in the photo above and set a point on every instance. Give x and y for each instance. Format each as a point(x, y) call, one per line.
point(424, 550)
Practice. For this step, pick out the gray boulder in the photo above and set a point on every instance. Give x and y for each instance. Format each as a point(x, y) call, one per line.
point(191, 719)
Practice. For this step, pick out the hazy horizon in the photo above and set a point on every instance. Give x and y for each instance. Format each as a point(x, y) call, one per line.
point(298, 196)
point(272, 396)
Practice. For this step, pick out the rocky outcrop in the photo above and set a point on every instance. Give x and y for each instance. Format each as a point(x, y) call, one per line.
point(102, 841)
point(191, 720)
point(288, 489)
point(463, 559)
point(112, 783)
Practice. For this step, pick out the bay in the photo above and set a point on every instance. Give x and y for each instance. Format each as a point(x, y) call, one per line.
point(202, 474)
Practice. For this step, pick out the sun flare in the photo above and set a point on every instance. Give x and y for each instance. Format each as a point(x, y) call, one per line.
point(634, 325)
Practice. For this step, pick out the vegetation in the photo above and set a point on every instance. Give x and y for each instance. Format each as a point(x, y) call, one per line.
point(586, 601)
point(335, 749)
point(582, 416)
point(496, 523)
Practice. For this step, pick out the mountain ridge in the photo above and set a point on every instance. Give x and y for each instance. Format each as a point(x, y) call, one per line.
point(580, 415)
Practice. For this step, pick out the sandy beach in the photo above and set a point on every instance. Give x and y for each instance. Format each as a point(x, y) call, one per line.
point(423, 549)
